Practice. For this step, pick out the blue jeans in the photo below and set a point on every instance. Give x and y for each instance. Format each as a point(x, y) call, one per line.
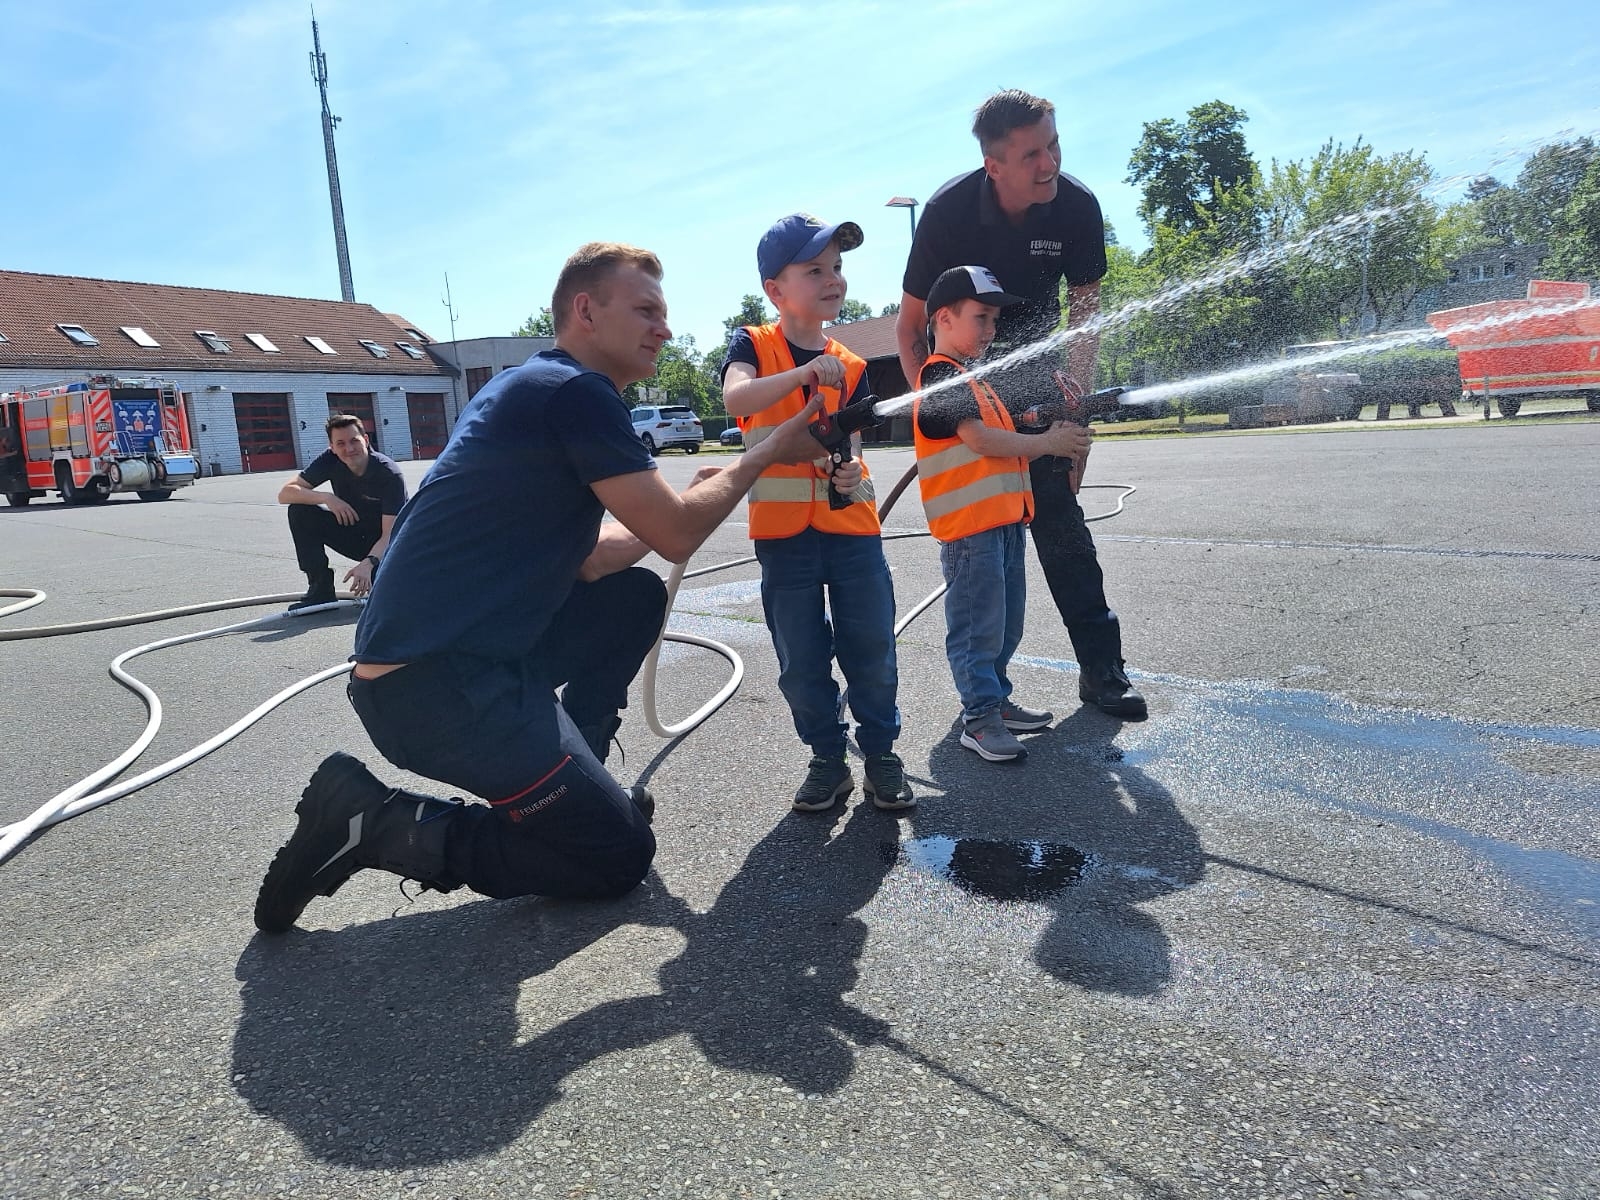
point(983, 610)
point(795, 571)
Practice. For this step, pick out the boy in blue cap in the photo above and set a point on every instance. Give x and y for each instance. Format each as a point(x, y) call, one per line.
point(818, 559)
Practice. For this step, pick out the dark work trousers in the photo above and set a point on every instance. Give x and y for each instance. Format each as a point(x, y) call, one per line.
point(1060, 537)
point(556, 823)
point(1071, 566)
point(316, 531)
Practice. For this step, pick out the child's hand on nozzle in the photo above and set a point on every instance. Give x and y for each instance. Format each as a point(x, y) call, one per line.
point(846, 476)
point(823, 371)
point(1067, 440)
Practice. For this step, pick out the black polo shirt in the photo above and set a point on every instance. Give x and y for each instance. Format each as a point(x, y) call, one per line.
point(378, 492)
point(962, 225)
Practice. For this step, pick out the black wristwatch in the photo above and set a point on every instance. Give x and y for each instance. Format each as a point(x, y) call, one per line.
point(373, 559)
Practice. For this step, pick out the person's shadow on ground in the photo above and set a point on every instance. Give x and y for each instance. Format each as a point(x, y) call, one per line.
point(397, 1042)
point(1075, 828)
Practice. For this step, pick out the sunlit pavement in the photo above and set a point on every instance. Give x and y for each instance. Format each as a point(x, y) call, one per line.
point(1325, 925)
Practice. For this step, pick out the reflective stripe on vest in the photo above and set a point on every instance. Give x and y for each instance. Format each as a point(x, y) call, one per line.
point(788, 499)
point(964, 492)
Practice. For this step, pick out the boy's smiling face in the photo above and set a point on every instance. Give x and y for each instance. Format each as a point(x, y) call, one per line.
point(965, 329)
point(812, 290)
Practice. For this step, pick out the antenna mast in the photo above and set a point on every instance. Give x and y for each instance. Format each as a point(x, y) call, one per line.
point(319, 72)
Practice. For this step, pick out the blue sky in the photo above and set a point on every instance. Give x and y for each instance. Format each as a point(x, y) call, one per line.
point(180, 142)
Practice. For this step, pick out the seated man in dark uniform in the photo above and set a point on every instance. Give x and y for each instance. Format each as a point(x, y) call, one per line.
point(354, 520)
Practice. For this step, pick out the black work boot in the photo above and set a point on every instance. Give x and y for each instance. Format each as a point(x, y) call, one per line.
point(348, 820)
point(643, 801)
point(320, 592)
point(1106, 687)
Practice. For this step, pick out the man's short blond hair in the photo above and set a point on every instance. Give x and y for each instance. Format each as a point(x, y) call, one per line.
point(590, 268)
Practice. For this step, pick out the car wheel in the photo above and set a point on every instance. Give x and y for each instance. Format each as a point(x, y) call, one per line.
point(155, 494)
point(19, 499)
point(1509, 406)
point(693, 447)
point(71, 493)
point(649, 444)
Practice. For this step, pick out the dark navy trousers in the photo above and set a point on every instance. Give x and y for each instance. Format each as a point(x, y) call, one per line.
point(556, 823)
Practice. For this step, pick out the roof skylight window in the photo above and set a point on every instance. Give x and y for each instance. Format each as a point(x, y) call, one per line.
point(320, 346)
point(139, 337)
point(373, 348)
point(217, 345)
point(78, 335)
point(409, 350)
point(262, 343)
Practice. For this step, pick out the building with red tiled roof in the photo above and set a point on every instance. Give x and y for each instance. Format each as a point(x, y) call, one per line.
point(260, 373)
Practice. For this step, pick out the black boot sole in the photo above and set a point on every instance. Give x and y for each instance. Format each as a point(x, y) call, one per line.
point(286, 889)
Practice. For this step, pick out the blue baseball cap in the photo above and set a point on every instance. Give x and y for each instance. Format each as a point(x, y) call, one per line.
point(800, 237)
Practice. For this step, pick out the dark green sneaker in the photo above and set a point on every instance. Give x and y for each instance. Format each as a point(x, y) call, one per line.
point(886, 782)
point(827, 779)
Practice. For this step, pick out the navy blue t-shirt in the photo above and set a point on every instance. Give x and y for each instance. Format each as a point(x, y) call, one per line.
point(742, 348)
point(489, 547)
point(962, 225)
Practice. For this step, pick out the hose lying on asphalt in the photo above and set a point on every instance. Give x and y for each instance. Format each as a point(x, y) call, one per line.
point(82, 797)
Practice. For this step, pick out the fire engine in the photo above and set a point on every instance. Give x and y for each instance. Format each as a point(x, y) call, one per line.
point(89, 438)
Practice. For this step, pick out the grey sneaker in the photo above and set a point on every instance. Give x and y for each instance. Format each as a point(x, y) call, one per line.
point(826, 780)
point(886, 782)
point(1019, 718)
point(990, 739)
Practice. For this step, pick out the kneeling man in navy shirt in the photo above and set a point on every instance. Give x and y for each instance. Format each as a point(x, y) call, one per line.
point(500, 585)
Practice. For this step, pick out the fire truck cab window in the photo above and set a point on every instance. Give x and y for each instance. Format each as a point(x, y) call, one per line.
point(78, 335)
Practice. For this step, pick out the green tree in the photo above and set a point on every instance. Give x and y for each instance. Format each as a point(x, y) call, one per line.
point(679, 378)
point(752, 311)
point(1494, 206)
point(891, 309)
point(542, 325)
point(1545, 188)
point(1185, 167)
point(1365, 232)
point(853, 310)
point(1575, 250)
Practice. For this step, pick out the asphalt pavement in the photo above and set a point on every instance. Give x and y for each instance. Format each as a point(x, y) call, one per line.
point(1325, 925)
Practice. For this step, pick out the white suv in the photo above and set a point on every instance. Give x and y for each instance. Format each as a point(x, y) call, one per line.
point(668, 426)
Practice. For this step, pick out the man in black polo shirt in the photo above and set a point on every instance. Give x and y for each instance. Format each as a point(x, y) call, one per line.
point(354, 520)
point(1032, 226)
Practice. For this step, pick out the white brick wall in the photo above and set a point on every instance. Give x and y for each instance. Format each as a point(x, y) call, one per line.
point(218, 433)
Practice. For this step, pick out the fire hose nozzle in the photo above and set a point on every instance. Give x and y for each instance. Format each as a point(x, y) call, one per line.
point(833, 432)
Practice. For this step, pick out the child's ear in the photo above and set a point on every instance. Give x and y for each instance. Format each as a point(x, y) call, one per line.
point(773, 291)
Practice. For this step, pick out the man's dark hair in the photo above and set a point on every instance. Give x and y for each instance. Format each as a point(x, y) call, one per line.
point(591, 267)
point(342, 421)
point(1005, 111)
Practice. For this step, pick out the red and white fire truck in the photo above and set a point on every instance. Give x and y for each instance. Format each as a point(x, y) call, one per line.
point(1512, 349)
point(91, 437)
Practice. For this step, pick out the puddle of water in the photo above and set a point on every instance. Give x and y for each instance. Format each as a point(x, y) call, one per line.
point(1010, 872)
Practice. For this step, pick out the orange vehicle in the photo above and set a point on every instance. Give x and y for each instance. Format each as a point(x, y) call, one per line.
point(1512, 349)
point(89, 438)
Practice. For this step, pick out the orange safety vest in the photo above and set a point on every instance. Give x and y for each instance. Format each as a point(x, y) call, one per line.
point(964, 492)
point(787, 499)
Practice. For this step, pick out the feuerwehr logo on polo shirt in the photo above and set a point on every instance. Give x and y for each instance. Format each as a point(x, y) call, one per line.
point(1044, 246)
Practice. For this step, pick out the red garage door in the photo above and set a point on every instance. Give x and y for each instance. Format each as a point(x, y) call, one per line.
point(266, 441)
point(428, 433)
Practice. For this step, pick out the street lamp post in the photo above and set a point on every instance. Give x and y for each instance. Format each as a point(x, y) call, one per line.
point(906, 202)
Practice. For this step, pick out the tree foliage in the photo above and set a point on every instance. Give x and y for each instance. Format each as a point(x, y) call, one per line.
point(541, 325)
point(1184, 167)
point(1575, 248)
